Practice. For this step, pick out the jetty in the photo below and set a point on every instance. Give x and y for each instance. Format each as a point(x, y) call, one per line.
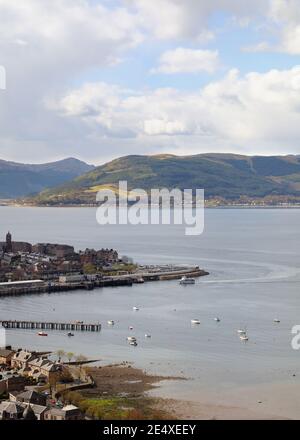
point(39, 325)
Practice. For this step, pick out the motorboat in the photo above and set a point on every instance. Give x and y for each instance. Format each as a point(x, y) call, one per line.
point(131, 339)
point(70, 334)
point(217, 319)
point(140, 280)
point(136, 309)
point(241, 332)
point(185, 281)
point(131, 328)
point(244, 337)
point(111, 322)
point(147, 335)
point(42, 334)
point(195, 321)
point(133, 343)
point(277, 320)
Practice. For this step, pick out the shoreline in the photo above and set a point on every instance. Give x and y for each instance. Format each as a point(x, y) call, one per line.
point(126, 383)
point(13, 205)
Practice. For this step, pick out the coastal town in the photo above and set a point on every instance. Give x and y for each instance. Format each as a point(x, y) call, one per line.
point(37, 385)
point(48, 267)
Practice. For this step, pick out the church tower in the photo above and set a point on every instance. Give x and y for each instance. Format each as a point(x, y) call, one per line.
point(8, 245)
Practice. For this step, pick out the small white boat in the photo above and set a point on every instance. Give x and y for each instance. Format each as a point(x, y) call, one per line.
point(147, 335)
point(111, 322)
point(195, 321)
point(277, 320)
point(185, 281)
point(133, 343)
point(131, 339)
point(241, 332)
point(42, 334)
point(130, 328)
point(136, 309)
point(140, 280)
point(217, 319)
point(244, 338)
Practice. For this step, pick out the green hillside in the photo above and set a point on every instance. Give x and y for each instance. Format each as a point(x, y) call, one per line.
point(226, 176)
point(18, 180)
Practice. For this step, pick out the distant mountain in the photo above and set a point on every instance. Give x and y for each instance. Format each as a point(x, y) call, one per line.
point(19, 180)
point(225, 176)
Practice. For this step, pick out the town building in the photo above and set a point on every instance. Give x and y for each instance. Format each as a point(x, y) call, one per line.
point(11, 382)
point(69, 412)
point(6, 356)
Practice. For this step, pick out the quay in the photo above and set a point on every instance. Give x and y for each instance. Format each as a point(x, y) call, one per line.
point(146, 274)
point(38, 325)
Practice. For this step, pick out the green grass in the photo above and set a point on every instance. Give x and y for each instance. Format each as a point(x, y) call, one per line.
point(116, 408)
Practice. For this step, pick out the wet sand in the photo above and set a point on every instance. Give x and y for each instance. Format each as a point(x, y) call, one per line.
point(277, 401)
point(259, 402)
point(123, 380)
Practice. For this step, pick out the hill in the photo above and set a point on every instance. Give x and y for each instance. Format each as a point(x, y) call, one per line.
point(225, 176)
point(19, 180)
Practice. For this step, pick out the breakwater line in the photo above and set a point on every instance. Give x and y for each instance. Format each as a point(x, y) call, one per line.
point(38, 325)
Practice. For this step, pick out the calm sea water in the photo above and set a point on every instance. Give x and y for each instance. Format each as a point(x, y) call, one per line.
point(253, 257)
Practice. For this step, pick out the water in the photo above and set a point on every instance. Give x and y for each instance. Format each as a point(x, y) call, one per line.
point(253, 257)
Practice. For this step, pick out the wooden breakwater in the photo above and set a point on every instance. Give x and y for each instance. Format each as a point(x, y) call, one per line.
point(39, 325)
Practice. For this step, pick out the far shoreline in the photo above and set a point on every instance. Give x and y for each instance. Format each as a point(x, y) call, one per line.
point(16, 205)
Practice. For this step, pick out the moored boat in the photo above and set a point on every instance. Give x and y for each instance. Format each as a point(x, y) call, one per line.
point(42, 334)
point(131, 339)
point(185, 280)
point(133, 343)
point(195, 321)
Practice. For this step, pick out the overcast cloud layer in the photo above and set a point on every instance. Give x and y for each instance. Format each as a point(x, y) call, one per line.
point(101, 79)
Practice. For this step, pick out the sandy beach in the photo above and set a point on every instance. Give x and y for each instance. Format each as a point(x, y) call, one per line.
point(277, 401)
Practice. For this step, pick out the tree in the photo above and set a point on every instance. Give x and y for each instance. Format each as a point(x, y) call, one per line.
point(70, 356)
point(60, 354)
point(80, 359)
point(89, 268)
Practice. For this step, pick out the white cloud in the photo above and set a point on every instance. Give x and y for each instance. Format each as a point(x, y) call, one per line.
point(283, 18)
point(242, 112)
point(154, 127)
point(184, 60)
point(47, 47)
point(43, 46)
point(187, 19)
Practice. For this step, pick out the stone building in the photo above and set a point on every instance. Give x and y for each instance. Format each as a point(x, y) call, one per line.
point(55, 250)
point(10, 246)
point(69, 412)
point(6, 356)
point(11, 382)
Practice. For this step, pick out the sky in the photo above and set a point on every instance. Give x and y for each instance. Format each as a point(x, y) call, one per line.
point(99, 79)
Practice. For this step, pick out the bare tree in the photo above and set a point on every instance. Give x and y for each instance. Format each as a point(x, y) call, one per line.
point(70, 356)
point(60, 354)
point(80, 359)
